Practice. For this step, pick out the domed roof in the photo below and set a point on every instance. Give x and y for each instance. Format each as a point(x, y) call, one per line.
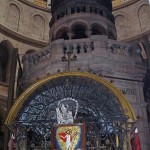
point(55, 4)
point(47, 3)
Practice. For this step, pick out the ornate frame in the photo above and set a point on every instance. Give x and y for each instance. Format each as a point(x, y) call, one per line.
point(83, 134)
point(22, 98)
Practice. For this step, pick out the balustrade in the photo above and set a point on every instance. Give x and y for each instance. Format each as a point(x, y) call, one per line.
point(78, 46)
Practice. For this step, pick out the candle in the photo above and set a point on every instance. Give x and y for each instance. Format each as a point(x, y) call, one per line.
point(117, 141)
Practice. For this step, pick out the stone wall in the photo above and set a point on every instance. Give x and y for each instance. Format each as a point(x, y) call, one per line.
point(132, 20)
point(24, 24)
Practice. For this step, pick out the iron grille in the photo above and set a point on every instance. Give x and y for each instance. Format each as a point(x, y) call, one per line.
point(98, 108)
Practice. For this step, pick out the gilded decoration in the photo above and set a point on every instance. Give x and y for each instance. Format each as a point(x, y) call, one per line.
point(117, 3)
point(71, 98)
point(69, 137)
point(23, 97)
point(41, 3)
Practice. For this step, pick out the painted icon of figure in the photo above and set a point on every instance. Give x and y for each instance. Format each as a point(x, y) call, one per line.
point(67, 138)
point(68, 141)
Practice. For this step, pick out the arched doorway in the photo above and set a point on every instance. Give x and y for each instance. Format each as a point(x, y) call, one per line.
point(91, 100)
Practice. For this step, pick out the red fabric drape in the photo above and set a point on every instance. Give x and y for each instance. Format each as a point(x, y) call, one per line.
point(11, 143)
point(135, 140)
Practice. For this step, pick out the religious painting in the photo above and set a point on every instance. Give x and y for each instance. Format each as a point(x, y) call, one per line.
point(68, 137)
point(66, 110)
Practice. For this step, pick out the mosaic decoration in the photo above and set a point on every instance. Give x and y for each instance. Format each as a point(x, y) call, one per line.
point(42, 3)
point(117, 3)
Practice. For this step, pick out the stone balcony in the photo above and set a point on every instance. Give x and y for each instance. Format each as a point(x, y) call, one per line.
point(98, 53)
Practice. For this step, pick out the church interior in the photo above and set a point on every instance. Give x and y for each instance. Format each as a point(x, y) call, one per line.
point(74, 75)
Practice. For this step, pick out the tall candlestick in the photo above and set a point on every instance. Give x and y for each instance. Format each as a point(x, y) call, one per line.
point(117, 141)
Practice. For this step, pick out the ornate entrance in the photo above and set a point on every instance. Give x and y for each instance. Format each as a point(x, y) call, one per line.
point(93, 101)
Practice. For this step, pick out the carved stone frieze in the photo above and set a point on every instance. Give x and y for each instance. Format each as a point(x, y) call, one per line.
point(122, 49)
point(35, 58)
point(128, 91)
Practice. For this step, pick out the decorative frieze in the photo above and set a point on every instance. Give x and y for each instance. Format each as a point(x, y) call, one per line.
point(122, 49)
point(35, 58)
point(128, 91)
point(117, 49)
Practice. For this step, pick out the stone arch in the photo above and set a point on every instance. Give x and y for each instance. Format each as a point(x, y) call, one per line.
point(79, 30)
point(13, 16)
point(23, 97)
point(3, 63)
point(6, 53)
point(62, 33)
point(38, 26)
point(142, 2)
point(143, 15)
point(30, 51)
point(79, 21)
point(121, 25)
point(98, 29)
point(92, 99)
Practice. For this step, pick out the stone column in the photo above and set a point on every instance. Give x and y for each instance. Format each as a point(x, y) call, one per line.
point(69, 11)
point(6, 138)
point(88, 33)
point(129, 129)
point(26, 70)
point(70, 34)
point(88, 9)
point(25, 61)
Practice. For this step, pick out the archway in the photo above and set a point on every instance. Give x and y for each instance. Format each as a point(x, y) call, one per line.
point(6, 56)
point(79, 31)
point(62, 33)
point(98, 29)
point(93, 101)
